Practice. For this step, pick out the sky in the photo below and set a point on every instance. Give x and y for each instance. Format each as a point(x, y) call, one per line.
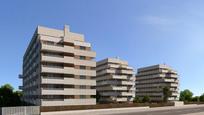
point(143, 32)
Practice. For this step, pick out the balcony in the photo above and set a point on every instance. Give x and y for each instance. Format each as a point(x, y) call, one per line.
point(121, 88)
point(121, 99)
point(126, 72)
point(150, 94)
point(105, 71)
point(172, 76)
point(68, 40)
point(115, 77)
point(85, 53)
point(174, 85)
point(127, 83)
point(65, 49)
point(85, 62)
point(85, 72)
point(69, 91)
point(64, 59)
point(116, 82)
point(127, 93)
point(69, 60)
point(119, 77)
point(68, 70)
point(79, 43)
point(70, 81)
point(65, 70)
point(70, 102)
point(175, 94)
point(110, 93)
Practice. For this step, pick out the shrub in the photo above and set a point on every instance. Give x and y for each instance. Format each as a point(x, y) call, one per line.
point(146, 99)
point(136, 100)
point(202, 98)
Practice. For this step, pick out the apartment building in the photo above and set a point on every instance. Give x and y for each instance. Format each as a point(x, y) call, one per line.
point(58, 69)
point(115, 80)
point(151, 80)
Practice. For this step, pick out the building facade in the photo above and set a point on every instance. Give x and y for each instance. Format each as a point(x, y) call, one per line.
point(58, 69)
point(115, 80)
point(151, 80)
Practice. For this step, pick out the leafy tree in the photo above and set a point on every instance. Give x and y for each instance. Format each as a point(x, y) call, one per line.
point(98, 96)
point(146, 99)
point(167, 93)
point(202, 98)
point(8, 97)
point(136, 100)
point(186, 95)
point(196, 99)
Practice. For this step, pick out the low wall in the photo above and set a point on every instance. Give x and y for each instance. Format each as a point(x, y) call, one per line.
point(24, 110)
point(178, 103)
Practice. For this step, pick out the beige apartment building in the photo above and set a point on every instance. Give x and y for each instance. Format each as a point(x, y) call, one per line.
point(115, 80)
point(151, 80)
point(58, 69)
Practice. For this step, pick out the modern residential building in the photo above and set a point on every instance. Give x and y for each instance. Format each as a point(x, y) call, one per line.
point(58, 69)
point(151, 80)
point(115, 80)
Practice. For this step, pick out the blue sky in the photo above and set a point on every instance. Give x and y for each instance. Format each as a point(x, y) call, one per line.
point(143, 32)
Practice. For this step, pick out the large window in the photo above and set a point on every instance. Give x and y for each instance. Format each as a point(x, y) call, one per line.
point(82, 57)
point(82, 77)
point(82, 48)
point(82, 87)
point(82, 96)
point(82, 67)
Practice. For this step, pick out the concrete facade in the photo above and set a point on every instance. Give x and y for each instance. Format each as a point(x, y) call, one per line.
point(151, 80)
point(115, 80)
point(58, 69)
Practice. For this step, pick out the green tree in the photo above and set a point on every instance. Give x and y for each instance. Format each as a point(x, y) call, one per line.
point(98, 96)
point(136, 100)
point(166, 94)
point(146, 99)
point(8, 97)
point(186, 95)
point(202, 98)
point(196, 99)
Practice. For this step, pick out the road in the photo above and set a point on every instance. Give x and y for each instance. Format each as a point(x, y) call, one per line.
point(179, 111)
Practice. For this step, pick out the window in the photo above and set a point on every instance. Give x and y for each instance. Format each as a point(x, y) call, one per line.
point(82, 87)
point(82, 96)
point(82, 57)
point(82, 48)
point(48, 42)
point(52, 43)
point(53, 54)
point(82, 77)
point(82, 67)
point(69, 97)
point(53, 65)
